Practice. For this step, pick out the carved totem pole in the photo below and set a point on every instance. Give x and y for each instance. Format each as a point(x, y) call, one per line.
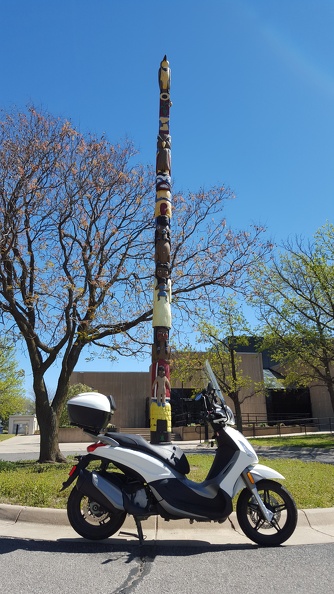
point(160, 409)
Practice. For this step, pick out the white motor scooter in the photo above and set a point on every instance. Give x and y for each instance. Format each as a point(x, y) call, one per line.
point(137, 478)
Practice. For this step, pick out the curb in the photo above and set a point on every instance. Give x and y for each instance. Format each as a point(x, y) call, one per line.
point(318, 517)
point(34, 515)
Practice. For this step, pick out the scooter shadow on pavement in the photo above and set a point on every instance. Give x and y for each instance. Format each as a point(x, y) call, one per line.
point(149, 548)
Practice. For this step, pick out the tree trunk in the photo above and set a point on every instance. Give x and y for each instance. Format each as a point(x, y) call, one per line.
point(331, 393)
point(328, 379)
point(49, 446)
point(48, 425)
point(235, 395)
point(237, 408)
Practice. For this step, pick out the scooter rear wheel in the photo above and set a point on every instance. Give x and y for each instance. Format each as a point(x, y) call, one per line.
point(279, 501)
point(90, 519)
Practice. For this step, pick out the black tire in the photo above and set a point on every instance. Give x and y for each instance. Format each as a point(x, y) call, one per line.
point(90, 519)
point(278, 500)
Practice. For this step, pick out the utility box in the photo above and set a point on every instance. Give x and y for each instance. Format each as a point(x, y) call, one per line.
point(22, 424)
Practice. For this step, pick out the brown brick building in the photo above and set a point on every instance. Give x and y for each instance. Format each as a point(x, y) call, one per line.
point(131, 391)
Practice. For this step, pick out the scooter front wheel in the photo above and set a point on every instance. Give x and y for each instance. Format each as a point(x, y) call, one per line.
point(276, 499)
point(90, 519)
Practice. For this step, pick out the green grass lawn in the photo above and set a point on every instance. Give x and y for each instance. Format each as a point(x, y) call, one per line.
point(4, 436)
point(311, 483)
point(32, 484)
point(321, 440)
point(38, 485)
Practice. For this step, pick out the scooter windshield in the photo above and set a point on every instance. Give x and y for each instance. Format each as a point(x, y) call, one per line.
point(214, 382)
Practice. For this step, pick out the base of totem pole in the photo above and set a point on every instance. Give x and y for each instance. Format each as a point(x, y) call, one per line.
point(161, 423)
point(160, 437)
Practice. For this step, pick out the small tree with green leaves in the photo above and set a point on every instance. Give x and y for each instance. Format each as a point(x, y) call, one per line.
point(294, 296)
point(12, 399)
point(222, 341)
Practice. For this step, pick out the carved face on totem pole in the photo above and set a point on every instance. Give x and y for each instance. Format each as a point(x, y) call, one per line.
point(162, 271)
point(163, 182)
point(164, 163)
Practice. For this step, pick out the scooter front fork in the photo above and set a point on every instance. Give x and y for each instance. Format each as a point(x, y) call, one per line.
point(251, 485)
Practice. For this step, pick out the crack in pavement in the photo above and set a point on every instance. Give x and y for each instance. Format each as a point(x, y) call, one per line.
point(137, 574)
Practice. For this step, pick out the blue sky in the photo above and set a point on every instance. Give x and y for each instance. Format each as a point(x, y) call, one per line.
point(252, 92)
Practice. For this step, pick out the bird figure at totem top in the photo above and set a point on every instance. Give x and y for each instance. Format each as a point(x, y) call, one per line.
point(164, 75)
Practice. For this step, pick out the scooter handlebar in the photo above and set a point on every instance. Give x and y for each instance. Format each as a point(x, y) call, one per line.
point(213, 412)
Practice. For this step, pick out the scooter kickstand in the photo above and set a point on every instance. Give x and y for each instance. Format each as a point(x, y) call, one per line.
point(140, 531)
point(140, 534)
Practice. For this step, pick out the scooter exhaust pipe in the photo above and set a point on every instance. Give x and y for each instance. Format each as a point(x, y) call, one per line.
point(100, 490)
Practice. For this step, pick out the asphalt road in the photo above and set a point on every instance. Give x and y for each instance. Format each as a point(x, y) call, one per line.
point(41, 567)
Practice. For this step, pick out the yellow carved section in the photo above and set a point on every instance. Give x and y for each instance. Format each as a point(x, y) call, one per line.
point(160, 413)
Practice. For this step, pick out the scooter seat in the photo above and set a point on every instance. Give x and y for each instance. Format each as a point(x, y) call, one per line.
point(171, 454)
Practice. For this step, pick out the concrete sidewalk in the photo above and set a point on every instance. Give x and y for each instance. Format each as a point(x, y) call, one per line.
point(314, 525)
point(26, 447)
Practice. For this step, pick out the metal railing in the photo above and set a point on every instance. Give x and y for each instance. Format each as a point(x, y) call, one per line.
point(257, 425)
point(285, 426)
point(274, 418)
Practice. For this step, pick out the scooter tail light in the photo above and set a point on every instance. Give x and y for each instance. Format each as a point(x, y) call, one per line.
point(92, 447)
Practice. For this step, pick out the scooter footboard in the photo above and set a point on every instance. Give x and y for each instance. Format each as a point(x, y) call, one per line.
point(258, 472)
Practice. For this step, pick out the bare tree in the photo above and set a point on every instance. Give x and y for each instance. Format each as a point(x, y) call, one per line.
point(76, 269)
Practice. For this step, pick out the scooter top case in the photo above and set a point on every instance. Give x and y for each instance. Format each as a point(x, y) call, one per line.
point(91, 411)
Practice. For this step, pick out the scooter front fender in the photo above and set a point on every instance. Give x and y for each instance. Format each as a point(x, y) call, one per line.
point(258, 472)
